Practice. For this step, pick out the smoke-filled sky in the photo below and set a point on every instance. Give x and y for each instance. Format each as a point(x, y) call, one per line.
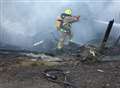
point(24, 22)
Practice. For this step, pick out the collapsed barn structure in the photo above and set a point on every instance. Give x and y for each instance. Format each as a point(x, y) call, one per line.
point(72, 52)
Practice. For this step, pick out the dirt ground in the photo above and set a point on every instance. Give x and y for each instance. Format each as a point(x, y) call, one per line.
point(98, 75)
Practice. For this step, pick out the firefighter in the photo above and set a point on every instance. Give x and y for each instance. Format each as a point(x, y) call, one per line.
point(63, 25)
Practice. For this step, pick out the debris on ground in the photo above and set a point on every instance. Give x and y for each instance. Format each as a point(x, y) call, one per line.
point(75, 66)
point(99, 70)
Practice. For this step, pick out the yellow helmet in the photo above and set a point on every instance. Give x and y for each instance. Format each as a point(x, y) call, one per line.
point(68, 11)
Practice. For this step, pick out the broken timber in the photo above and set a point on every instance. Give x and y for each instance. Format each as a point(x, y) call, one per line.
point(92, 54)
point(106, 36)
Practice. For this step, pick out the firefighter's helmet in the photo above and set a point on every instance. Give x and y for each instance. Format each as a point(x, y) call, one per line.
point(68, 11)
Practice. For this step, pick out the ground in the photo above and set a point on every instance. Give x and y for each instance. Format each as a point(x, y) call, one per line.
point(97, 75)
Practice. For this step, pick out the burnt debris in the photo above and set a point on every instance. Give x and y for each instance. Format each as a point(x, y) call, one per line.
point(58, 76)
point(107, 33)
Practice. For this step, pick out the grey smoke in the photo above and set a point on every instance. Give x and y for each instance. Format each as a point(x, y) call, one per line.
point(25, 22)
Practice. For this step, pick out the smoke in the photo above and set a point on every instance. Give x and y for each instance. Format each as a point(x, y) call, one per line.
point(25, 22)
